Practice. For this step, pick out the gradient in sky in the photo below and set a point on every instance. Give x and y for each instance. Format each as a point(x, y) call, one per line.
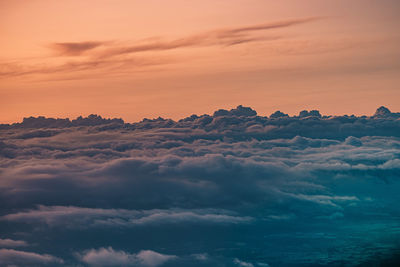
point(135, 59)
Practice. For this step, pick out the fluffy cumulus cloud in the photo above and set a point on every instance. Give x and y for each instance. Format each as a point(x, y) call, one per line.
point(228, 189)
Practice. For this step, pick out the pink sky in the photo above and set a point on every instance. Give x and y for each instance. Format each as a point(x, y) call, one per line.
point(136, 59)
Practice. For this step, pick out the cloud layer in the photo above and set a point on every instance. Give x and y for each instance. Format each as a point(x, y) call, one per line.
point(201, 191)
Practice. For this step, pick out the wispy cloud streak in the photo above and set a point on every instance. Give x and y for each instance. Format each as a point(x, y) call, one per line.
point(97, 55)
point(224, 37)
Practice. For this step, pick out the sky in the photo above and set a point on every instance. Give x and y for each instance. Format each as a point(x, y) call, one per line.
point(136, 59)
point(234, 188)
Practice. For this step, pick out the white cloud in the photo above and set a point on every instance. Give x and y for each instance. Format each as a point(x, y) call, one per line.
point(110, 257)
point(242, 263)
point(151, 258)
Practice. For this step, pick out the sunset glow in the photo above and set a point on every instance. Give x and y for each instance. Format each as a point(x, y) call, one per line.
point(136, 59)
point(209, 133)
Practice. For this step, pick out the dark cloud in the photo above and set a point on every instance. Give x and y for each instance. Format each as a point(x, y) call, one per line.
point(278, 114)
point(384, 112)
point(239, 111)
point(273, 25)
point(75, 49)
point(311, 113)
point(206, 189)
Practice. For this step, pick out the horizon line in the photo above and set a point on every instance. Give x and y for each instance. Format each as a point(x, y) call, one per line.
point(231, 111)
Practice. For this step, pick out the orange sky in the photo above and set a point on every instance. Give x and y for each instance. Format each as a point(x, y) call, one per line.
point(136, 59)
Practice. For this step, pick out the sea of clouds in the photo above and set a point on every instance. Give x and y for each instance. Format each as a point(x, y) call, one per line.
point(228, 189)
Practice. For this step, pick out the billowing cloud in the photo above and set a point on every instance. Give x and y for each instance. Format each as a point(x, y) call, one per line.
point(110, 257)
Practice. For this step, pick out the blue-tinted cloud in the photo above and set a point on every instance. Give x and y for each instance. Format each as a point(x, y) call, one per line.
point(206, 189)
point(90, 217)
